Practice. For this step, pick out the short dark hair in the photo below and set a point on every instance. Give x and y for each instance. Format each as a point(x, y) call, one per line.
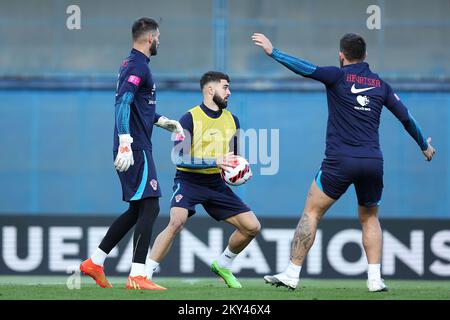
point(353, 47)
point(142, 26)
point(213, 76)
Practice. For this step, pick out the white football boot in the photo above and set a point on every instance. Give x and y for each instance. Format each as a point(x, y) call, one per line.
point(282, 279)
point(376, 285)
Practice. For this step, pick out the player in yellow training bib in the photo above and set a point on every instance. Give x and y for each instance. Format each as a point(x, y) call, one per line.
point(210, 136)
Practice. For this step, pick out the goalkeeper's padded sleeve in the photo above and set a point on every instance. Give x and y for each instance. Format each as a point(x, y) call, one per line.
point(123, 113)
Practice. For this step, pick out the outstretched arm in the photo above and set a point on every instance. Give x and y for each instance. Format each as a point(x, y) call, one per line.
point(170, 125)
point(399, 110)
point(326, 75)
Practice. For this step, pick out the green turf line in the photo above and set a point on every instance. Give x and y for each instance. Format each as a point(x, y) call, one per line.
point(55, 288)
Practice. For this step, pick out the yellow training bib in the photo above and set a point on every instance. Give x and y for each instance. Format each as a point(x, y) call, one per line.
point(211, 137)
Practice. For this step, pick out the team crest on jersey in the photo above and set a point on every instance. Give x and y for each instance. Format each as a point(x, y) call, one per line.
point(154, 184)
point(178, 197)
point(363, 100)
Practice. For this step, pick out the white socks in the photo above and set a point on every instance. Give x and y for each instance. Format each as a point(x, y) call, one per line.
point(226, 259)
point(137, 269)
point(373, 272)
point(150, 267)
point(293, 270)
point(98, 257)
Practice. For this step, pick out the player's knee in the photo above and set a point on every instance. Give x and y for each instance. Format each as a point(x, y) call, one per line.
point(253, 229)
point(176, 225)
point(314, 214)
point(368, 219)
point(368, 214)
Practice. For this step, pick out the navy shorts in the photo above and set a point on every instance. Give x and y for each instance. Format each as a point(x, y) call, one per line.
point(219, 201)
point(336, 175)
point(140, 180)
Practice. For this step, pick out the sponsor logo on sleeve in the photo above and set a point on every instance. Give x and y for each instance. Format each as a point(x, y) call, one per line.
point(134, 80)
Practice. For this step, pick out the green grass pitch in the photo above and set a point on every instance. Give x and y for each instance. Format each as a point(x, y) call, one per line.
point(55, 288)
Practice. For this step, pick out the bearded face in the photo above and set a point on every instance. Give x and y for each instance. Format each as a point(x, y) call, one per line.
point(220, 102)
point(154, 48)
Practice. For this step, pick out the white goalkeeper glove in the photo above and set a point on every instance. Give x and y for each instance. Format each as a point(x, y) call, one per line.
point(172, 126)
point(124, 158)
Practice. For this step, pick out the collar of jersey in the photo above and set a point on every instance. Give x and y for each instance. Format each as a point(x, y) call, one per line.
point(210, 113)
point(140, 55)
point(359, 65)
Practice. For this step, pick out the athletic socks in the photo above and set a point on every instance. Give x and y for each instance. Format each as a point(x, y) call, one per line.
point(147, 213)
point(226, 258)
point(293, 270)
point(137, 269)
point(98, 257)
point(150, 267)
point(373, 272)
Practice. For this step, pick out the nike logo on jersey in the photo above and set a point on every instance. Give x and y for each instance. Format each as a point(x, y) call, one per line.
point(354, 90)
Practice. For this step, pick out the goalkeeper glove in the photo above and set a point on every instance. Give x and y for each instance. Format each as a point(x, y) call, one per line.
point(171, 125)
point(124, 158)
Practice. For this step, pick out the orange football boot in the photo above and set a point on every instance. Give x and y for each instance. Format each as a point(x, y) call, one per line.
point(95, 272)
point(142, 283)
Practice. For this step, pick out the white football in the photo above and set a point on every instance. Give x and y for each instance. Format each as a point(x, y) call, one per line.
point(239, 174)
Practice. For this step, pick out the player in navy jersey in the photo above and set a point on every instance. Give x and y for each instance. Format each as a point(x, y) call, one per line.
point(355, 97)
point(209, 146)
point(135, 115)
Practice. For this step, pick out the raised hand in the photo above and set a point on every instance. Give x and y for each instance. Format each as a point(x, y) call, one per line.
point(262, 41)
